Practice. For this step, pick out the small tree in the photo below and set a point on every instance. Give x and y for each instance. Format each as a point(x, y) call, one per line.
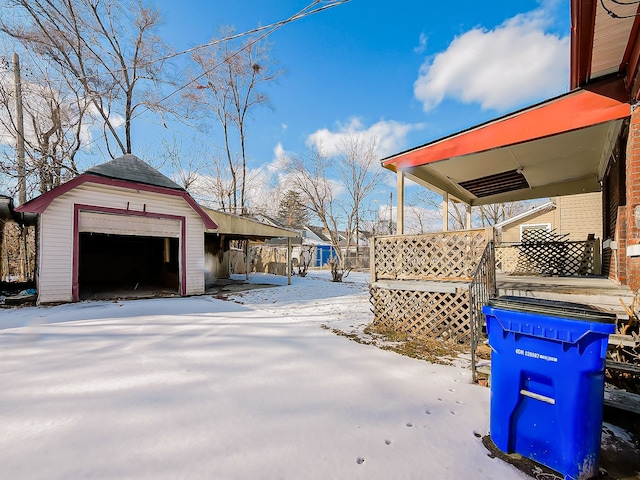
point(306, 253)
point(360, 173)
point(292, 212)
point(309, 175)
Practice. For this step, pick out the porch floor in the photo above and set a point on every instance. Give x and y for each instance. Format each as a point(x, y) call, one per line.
point(597, 291)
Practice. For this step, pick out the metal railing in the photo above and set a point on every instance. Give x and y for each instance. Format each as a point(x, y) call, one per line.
point(481, 289)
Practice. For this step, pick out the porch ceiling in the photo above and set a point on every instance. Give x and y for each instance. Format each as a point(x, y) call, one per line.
point(604, 40)
point(558, 147)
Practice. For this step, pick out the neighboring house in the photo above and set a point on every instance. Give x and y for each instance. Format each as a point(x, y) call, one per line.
point(121, 225)
point(576, 216)
point(322, 249)
point(320, 239)
point(325, 250)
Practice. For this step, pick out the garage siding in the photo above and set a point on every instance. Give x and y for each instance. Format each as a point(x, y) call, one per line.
point(56, 260)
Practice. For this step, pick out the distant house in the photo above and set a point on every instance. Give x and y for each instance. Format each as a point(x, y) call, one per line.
point(122, 226)
point(576, 216)
point(324, 250)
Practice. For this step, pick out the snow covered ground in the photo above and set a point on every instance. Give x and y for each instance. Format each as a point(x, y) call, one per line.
point(201, 388)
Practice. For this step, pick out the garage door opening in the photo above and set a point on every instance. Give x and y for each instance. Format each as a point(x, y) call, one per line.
point(125, 266)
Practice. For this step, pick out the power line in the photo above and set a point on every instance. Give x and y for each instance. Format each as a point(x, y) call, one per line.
point(613, 14)
point(305, 12)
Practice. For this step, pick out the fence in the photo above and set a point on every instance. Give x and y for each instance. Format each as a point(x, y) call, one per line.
point(550, 258)
point(421, 284)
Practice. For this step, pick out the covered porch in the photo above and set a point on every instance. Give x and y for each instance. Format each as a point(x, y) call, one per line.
point(563, 146)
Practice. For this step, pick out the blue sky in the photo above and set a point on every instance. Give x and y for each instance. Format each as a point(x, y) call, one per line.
point(355, 66)
point(406, 72)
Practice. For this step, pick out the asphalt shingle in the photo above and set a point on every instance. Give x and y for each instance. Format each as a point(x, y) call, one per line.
point(131, 168)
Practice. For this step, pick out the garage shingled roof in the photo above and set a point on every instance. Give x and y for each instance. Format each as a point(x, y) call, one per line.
point(131, 168)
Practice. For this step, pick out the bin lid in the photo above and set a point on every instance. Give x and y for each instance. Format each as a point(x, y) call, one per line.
point(555, 308)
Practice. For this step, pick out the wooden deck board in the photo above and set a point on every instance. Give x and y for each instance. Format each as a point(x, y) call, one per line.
point(622, 400)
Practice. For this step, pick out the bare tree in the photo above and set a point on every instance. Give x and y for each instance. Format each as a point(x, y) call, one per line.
point(481, 216)
point(186, 163)
point(309, 174)
point(499, 212)
point(105, 50)
point(53, 118)
point(360, 174)
point(232, 75)
point(319, 179)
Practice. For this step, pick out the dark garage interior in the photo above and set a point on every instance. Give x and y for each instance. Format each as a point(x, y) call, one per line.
point(117, 266)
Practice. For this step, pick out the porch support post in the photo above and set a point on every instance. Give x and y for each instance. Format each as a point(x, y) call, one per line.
point(400, 201)
point(468, 217)
point(445, 212)
point(247, 262)
point(288, 260)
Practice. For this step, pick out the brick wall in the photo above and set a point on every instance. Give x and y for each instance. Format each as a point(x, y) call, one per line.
point(632, 178)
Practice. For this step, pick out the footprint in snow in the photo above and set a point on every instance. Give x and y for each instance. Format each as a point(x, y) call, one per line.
point(428, 412)
point(360, 460)
point(409, 424)
point(387, 442)
point(452, 412)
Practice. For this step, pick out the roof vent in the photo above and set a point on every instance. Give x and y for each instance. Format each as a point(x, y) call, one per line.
point(495, 184)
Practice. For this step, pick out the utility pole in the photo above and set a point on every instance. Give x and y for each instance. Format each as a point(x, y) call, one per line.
point(22, 182)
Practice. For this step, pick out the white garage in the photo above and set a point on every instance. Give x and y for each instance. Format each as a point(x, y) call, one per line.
point(121, 225)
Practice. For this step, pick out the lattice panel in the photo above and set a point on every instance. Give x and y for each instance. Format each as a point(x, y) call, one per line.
point(444, 316)
point(548, 258)
point(444, 255)
point(507, 258)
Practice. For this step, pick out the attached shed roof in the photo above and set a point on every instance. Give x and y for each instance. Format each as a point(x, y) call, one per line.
point(131, 168)
point(242, 227)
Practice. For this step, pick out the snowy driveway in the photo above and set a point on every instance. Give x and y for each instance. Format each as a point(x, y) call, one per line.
point(199, 388)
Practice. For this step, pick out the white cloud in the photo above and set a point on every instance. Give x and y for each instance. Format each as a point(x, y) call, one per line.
point(36, 108)
point(389, 135)
point(115, 119)
point(422, 44)
point(515, 63)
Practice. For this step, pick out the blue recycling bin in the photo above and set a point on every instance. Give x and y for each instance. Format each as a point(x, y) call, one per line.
point(547, 381)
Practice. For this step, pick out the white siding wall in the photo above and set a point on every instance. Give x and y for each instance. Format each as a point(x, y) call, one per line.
point(56, 255)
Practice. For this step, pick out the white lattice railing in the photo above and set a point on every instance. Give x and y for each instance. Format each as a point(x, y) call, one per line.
point(421, 283)
point(433, 256)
